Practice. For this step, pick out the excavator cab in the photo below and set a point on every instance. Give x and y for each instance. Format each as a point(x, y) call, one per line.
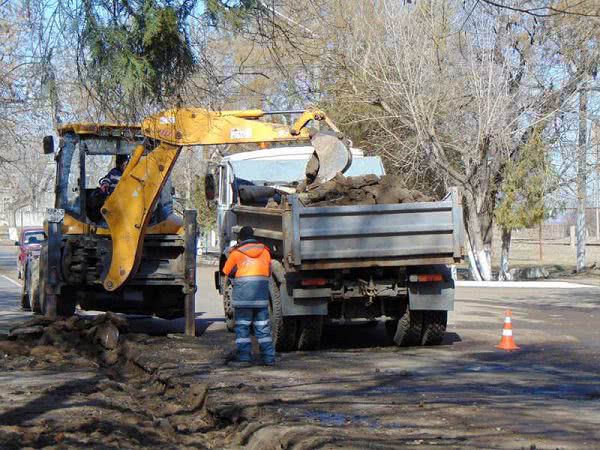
point(78, 253)
point(85, 158)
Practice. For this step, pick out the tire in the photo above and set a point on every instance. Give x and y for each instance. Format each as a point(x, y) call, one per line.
point(25, 288)
point(390, 328)
point(434, 327)
point(33, 293)
point(228, 307)
point(283, 328)
point(408, 332)
point(310, 329)
point(65, 304)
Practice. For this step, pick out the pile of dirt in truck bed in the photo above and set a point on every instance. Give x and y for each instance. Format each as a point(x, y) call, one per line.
point(361, 190)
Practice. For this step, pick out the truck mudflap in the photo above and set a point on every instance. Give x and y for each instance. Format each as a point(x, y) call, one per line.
point(432, 296)
point(299, 302)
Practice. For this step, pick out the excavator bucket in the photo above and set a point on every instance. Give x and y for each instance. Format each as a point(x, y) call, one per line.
point(330, 157)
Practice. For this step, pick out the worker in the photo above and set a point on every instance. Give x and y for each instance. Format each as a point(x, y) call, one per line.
point(249, 266)
point(109, 182)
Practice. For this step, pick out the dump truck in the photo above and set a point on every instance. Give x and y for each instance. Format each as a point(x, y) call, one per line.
point(354, 263)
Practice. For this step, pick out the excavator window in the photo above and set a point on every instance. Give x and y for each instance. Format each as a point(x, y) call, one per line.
point(68, 179)
point(83, 161)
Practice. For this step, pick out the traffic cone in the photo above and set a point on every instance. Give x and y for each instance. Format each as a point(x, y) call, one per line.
point(507, 342)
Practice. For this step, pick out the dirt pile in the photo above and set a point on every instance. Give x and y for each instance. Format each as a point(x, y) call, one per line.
point(128, 390)
point(361, 190)
point(64, 339)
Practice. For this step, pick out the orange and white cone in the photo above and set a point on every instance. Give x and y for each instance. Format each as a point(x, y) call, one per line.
point(507, 342)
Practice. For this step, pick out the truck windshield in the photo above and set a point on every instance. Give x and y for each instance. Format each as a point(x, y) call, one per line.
point(290, 170)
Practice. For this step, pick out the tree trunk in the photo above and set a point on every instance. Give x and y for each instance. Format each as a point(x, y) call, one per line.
point(581, 180)
point(479, 252)
point(506, 237)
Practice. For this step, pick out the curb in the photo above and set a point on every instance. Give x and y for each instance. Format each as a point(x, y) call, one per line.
point(524, 284)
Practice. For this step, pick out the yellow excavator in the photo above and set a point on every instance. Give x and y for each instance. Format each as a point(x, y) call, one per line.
point(130, 252)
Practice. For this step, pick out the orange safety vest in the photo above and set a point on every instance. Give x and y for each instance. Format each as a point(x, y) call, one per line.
point(250, 259)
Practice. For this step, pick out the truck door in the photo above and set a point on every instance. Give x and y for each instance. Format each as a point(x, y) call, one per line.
point(224, 203)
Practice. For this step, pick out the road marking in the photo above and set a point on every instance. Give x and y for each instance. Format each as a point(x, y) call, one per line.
point(10, 280)
point(525, 284)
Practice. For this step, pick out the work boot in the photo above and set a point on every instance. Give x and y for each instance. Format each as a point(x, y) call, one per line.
point(239, 364)
point(268, 363)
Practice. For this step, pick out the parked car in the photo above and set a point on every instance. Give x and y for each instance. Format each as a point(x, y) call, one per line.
point(30, 243)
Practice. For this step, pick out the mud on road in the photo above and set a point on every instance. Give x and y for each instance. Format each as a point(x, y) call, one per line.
point(82, 383)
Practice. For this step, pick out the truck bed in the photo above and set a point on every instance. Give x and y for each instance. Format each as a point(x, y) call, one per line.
point(360, 235)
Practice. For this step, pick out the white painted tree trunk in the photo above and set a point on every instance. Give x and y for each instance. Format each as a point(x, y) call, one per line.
point(581, 181)
point(480, 262)
point(504, 274)
point(480, 255)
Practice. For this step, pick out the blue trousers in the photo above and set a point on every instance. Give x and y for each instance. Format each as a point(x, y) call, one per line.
point(258, 318)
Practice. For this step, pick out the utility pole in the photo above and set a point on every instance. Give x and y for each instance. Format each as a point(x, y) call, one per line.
point(582, 141)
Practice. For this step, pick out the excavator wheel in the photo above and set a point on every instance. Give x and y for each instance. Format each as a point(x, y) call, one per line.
point(65, 302)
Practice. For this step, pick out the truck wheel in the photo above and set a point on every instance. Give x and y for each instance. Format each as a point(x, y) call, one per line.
point(434, 327)
point(409, 329)
point(228, 306)
point(309, 333)
point(390, 328)
point(282, 328)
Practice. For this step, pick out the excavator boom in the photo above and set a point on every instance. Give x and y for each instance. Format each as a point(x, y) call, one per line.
point(128, 209)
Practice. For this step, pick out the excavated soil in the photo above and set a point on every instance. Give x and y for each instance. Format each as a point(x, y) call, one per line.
point(361, 190)
point(77, 383)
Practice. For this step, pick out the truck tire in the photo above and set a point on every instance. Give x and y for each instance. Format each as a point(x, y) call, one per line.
point(228, 307)
point(390, 328)
point(282, 328)
point(309, 332)
point(409, 329)
point(434, 327)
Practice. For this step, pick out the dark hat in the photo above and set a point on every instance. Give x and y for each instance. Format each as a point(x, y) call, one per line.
point(246, 233)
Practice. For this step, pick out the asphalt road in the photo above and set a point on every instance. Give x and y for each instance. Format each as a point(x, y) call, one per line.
point(464, 393)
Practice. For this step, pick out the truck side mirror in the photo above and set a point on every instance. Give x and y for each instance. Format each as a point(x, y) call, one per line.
point(210, 187)
point(48, 145)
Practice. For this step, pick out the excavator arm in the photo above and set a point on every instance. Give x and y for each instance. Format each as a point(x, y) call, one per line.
point(128, 209)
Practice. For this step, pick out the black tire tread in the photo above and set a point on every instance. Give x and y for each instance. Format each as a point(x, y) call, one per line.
point(309, 333)
point(408, 332)
point(434, 327)
point(391, 326)
point(283, 329)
